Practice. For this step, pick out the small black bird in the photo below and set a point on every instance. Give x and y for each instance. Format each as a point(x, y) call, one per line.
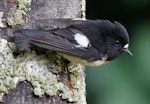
point(88, 42)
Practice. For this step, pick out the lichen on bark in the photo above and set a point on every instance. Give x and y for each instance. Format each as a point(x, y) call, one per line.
point(28, 66)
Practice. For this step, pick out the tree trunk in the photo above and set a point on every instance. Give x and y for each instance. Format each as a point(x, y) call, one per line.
point(31, 77)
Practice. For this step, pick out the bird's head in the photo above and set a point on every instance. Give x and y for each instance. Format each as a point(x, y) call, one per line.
point(117, 42)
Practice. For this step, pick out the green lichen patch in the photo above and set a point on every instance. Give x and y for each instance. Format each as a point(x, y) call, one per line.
point(55, 61)
point(83, 4)
point(77, 80)
point(23, 7)
point(2, 20)
point(38, 69)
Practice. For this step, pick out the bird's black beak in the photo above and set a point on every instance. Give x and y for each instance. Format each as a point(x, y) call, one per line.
point(127, 51)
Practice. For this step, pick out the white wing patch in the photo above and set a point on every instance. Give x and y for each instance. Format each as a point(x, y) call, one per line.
point(82, 40)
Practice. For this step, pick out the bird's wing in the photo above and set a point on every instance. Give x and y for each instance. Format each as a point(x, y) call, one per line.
point(61, 40)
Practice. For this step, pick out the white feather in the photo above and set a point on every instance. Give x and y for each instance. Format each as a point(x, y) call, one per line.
point(126, 46)
point(82, 40)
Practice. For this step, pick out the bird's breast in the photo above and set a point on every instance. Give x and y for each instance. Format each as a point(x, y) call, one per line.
point(85, 62)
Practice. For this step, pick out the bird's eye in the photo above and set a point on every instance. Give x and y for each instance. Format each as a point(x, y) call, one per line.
point(117, 42)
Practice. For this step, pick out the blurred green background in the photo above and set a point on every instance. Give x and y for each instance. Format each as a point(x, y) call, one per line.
point(126, 80)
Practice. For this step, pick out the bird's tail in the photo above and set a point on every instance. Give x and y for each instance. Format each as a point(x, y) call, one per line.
point(23, 38)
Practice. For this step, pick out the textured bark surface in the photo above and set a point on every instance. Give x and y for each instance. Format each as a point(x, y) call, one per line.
point(38, 10)
point(23, 94)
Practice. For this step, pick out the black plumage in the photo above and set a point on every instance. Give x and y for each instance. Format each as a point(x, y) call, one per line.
point(105, 39)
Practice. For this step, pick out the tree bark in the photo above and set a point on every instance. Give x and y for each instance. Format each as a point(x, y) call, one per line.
point(31, 77)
